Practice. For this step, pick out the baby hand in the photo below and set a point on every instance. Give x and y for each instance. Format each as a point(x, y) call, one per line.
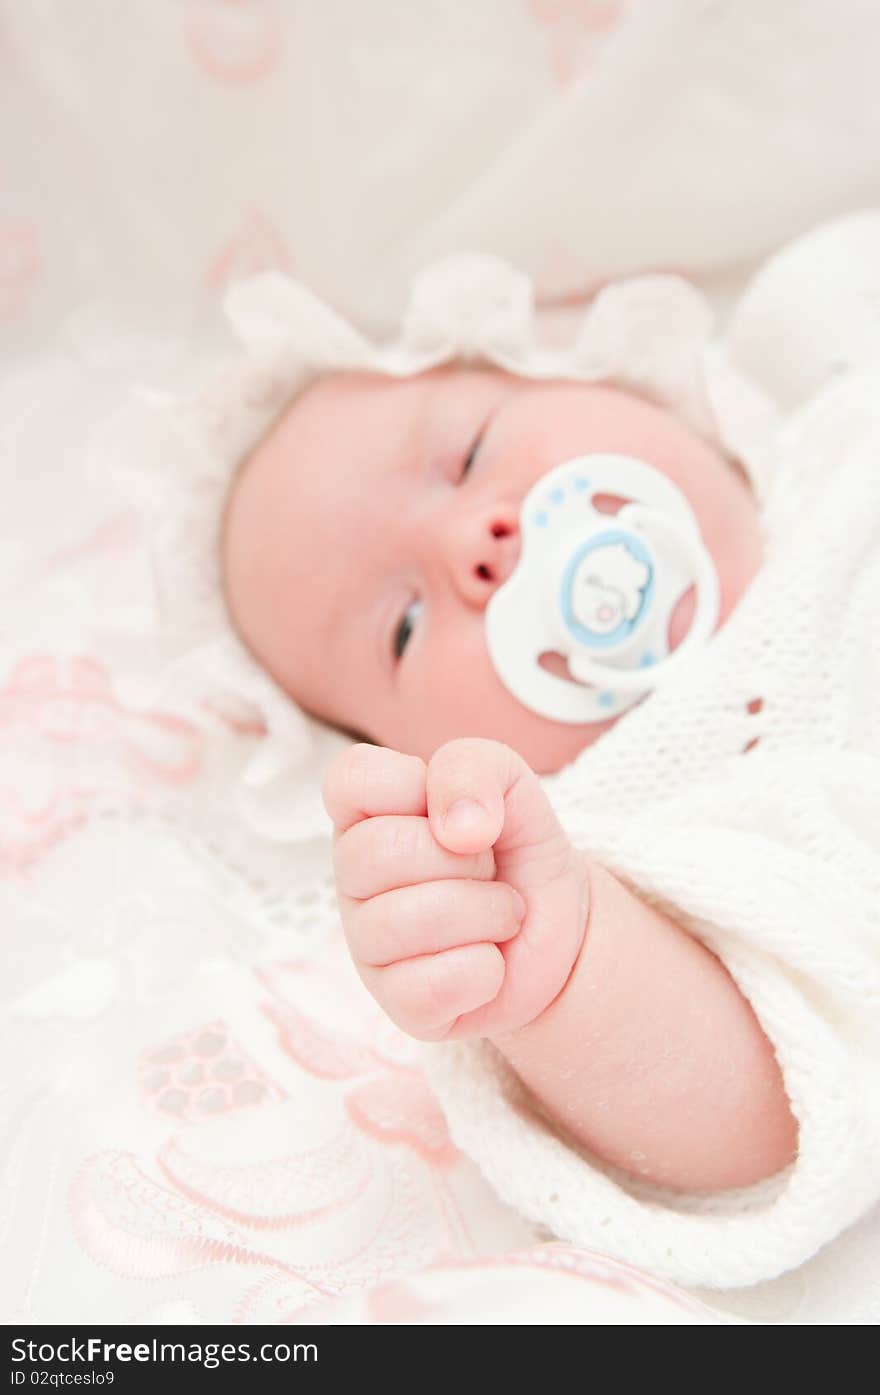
point(463, 901)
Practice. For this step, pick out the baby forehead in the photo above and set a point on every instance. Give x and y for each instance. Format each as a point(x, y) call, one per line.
point(353, 387)
point(357, 420)
point(340, 410)
point(333, 409)
point(294, 487)
point(355, 392)
point(323, 452)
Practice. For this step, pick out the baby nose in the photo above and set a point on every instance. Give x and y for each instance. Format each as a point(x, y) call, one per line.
point(483, 555)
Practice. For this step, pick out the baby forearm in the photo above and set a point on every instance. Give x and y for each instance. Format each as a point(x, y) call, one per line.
point(652, 1059)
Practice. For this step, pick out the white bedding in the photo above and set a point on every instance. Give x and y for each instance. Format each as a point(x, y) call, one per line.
point(187, 1134)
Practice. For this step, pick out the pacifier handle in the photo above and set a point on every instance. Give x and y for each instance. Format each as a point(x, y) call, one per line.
point(704, 621)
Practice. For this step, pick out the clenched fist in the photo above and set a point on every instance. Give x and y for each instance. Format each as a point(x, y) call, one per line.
point(463, 901)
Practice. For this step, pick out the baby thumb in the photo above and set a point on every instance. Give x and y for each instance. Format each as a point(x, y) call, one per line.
point(467, 780)
point(473, 786)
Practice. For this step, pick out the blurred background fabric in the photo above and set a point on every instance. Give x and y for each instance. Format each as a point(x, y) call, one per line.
point(150, 153)
point(202, 1116)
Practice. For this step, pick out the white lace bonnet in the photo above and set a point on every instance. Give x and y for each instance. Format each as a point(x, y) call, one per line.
point(174, 458)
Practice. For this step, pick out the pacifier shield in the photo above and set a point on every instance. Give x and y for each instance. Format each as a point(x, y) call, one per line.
point(599, 591)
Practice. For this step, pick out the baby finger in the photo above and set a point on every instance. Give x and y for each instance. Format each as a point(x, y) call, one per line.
point(393, 850)
point(430, 917)
point(425, 996)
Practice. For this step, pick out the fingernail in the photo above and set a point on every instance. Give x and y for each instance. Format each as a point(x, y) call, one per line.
point(519, 904)
point(464, 815)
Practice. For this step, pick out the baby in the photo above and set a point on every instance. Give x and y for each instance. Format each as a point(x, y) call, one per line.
point(362, 542)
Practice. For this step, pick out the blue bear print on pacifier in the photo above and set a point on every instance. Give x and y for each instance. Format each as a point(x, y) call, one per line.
point(599, 591)
point(606, 589)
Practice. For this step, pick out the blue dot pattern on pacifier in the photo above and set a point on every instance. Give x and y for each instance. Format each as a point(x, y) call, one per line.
point(556, 497)
point(605, 699)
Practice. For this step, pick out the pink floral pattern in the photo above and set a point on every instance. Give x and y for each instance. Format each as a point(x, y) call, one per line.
point(235, 41)
point(202, 1074)
point(256, 246)
point(112, 538)
point(67, 744)
point(140, 1229)
point(400, 1108)
point(573, 29)
point(19, 265)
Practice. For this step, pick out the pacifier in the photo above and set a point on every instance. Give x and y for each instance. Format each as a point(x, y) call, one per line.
point(599, 589)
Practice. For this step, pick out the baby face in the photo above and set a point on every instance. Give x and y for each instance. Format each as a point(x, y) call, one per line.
point(367, 532)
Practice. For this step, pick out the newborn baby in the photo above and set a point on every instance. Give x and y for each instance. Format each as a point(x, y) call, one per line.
point(362, 542)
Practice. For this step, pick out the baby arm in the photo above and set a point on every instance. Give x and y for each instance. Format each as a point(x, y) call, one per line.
point(481, 919)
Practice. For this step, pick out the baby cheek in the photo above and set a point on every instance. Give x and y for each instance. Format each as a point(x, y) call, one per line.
point(449, 688)
point(461, 678)
point(460, 694)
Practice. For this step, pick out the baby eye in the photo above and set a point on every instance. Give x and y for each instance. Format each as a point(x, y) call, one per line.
point(471, 455)
point(405, 628)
